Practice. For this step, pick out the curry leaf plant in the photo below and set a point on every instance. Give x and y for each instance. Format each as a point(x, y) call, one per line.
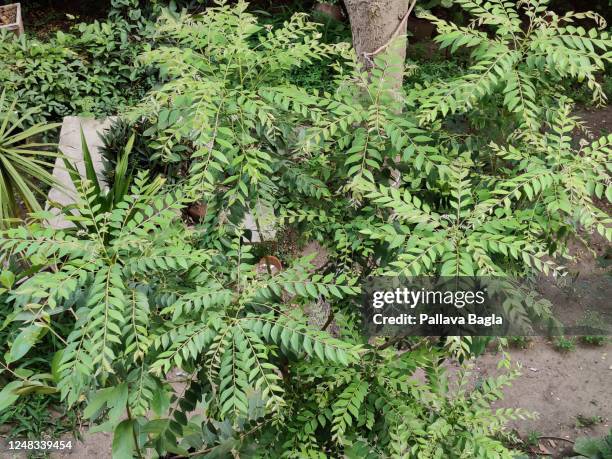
point(143, 300)
point(174, 340)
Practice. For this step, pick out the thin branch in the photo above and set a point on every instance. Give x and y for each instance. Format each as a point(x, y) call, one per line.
point(136, 445)
point(329, 320)
point(550, 437)
point(397, 339)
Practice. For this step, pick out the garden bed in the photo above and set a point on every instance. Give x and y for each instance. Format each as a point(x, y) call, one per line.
point(10, 18)
point(8, 15)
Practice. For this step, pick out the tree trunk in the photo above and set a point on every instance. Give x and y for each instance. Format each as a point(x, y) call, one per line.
point(379, 31)
point(374, 24)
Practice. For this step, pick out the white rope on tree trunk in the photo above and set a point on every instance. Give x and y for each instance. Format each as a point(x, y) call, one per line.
point(393, 35)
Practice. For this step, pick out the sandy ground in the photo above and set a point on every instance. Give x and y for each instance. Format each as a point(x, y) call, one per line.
point(94, 446)
point(560, 387)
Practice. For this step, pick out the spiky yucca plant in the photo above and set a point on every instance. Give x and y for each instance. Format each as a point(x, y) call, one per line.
point(25, 163)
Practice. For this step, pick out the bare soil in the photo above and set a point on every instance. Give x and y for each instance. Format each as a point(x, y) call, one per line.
point(93, 446)
point(599, 120)
point(568, 391)
point(45, 17)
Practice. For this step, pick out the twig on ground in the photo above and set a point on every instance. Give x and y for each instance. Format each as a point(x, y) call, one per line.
point(551, 437)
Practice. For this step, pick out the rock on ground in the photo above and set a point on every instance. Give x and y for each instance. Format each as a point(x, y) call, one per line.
point(70, 146)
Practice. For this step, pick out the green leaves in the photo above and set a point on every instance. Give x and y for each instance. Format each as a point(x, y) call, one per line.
point(347, 408)
point(314, 287)
point(477, 175)
point(123, 440)
point(8, 395)
point(106, 316)
point(89, 71)
point(22, 161)
point(109, 403)
point(113, 397)
point(520, 97)
point(297, 337)
point(554, 49)
point(183, 344)
point(593, 448)
point(23, 342)
point(135, 331)
point(7, 278)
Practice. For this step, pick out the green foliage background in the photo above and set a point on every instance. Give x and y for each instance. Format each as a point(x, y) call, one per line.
point(89, 71)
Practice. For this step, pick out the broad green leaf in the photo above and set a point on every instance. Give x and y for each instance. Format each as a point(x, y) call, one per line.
point(123, 440)
point(7, 394)
point(24, 342)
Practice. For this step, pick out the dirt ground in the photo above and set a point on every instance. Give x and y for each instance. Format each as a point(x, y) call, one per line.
point(94, 446)
point(43, 18)
point(599, 121)
point(566, 390)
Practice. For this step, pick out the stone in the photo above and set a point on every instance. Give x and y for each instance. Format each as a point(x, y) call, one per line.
point(267, 223)
point(70, 146)
point(197, 211)
point(269, 264)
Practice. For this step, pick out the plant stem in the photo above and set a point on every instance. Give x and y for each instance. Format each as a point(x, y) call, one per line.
point(138, 452)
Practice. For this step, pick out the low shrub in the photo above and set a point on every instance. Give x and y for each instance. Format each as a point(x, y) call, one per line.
point(563, 344)
point(594, 340)
point(89, 71)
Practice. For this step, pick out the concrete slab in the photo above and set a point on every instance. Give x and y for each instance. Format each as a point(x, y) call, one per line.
point(70, 145)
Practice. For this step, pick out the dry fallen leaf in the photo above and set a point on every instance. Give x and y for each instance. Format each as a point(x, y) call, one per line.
point(544, 450)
